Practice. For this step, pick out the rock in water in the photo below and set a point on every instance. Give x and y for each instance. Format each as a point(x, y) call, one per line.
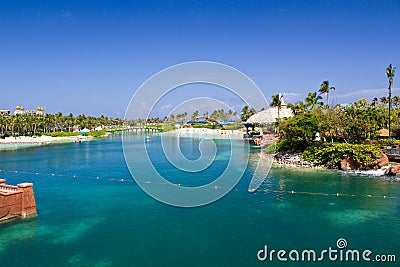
point(393, 171)
point(348, 164)
point(382, 161)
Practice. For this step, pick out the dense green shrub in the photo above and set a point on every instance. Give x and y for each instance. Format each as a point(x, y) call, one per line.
point(271, 149)
point(331, 154)
point(167, 127)
point(97, 133)
point(201, 125)
point(291, 144)
point(66, 134)
point(388, 142)
point(232, 127)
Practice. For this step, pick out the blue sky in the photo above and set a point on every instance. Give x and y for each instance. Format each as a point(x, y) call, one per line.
point(90, 56)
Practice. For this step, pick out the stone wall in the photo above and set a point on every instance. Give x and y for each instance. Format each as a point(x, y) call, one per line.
point(16, 201)
point(294, 160)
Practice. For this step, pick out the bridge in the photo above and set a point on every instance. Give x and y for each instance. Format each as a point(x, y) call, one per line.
point(141, 129)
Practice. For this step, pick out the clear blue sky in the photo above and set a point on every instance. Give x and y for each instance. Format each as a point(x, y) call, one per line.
point(90, 56)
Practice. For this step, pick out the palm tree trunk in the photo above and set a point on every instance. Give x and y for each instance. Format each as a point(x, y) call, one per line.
point(390, 96)
point(279, 119)
point(327, 99)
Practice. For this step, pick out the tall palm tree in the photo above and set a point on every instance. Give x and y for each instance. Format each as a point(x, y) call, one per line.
point(2, 123)
point(277, 103)
point(390, 74)
point(313, 100)
point(325, 89)
point(245, 113)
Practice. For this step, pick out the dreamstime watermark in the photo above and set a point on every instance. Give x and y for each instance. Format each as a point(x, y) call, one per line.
point(338, 253)
point(142, 167)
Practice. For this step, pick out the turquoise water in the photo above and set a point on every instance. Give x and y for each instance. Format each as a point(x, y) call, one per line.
point(97, 219)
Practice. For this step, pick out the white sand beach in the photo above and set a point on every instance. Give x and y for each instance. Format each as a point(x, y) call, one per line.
point(27, 141)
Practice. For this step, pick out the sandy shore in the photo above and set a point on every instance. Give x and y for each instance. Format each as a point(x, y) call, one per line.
point(26, 141)
point(206, 133)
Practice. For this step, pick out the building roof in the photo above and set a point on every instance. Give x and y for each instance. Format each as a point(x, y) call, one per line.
point(270, 115)
point(385, 133)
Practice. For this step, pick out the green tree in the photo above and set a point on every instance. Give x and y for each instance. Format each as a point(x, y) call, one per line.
point(325, 89)
point(396, 101)
point(297, 108)
point(194, 116)
point(313, 100)
point(277, 103)
point(245, 114)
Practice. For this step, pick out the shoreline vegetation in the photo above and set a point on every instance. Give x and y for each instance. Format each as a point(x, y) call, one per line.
point(315, 134)
point(353, 136)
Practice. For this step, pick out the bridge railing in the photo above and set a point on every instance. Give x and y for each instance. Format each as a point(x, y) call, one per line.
point(391, 151)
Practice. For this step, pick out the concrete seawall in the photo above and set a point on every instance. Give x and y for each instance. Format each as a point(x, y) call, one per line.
point(16, 201)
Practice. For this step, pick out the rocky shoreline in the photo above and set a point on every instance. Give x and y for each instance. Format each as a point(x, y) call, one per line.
point(294, 160)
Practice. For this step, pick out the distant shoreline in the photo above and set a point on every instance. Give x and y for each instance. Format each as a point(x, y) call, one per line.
point(10, 143)
point(205, 132)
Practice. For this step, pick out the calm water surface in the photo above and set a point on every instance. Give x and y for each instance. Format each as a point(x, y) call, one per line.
point(97, 219)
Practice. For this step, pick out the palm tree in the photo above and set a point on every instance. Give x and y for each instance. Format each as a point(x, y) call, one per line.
point(390, 75)
point(300, 107)
point(70, 120)
point(2, 123)
point(277, 103)
point(396, 101)
point(292, 107)
point(325, 89)
point(245, 113)
point(194, 116)
point(297, 108)
point(312, 100)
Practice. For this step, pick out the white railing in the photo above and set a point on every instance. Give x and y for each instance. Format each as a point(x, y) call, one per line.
point(8, 188)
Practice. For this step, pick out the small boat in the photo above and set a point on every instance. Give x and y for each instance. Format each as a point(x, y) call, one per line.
point(148, 138)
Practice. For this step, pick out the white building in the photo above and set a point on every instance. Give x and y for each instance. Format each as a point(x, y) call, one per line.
point(5, 112)
point(270, 115)
point(19, 110)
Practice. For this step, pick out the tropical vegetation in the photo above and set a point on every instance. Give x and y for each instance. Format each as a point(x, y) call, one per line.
point(326, 134)
point(33, 124)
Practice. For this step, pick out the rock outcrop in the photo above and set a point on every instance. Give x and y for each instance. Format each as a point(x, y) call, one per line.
point(382, 161)
point(349, 163)
point(393, 171)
